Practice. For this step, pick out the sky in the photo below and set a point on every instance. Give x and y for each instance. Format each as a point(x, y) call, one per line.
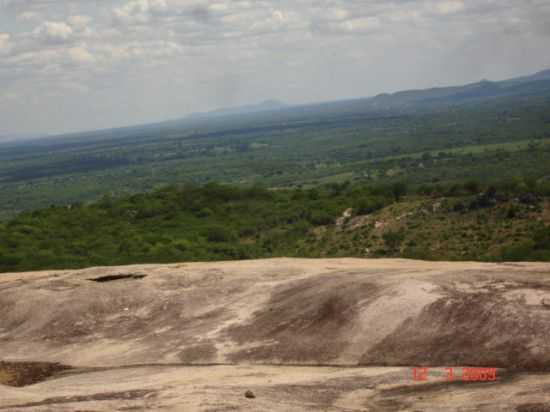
point(72, 65)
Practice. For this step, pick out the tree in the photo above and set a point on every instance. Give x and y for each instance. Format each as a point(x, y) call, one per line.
point(393, 240)
point(219, 234)
point(399, 189)
point(472, 187)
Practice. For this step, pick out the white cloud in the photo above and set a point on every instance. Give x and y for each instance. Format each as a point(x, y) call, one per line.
point(79, 22)
point(6, 45)
point(35, 59)
point(54, 31)
point(29, 16)
point(364, 24)
point(140, 50)
point(139, 11)
point(339, 13)
point(4, 41)
point(218, 7)
point(359, 25)
point(73, 86)
point(80, 55)
point(449, 6)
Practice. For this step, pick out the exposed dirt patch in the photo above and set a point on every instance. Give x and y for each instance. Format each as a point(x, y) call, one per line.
point(313, 309)
point(112, 278)
point(20, 374)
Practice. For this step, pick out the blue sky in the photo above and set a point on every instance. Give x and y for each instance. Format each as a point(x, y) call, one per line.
point(68, 65)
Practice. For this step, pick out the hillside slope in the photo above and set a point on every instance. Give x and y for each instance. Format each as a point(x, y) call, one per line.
point(213, 222)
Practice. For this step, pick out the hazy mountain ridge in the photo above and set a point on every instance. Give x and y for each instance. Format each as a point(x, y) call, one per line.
point(406, 99)
point(413, 99)
point(266, 105)
point(484, 89)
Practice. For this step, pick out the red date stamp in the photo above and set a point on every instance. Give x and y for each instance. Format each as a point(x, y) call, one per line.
point(466, 375)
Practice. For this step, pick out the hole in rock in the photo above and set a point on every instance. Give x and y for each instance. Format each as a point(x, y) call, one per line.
point(111, 278)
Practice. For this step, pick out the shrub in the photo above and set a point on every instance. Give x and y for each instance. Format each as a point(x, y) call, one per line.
point(321, 217)
point(472, 187)
point(542, 239)
point(399, 189)
point(369, 205)
point(219, 234)
point(393, 239)
point(517, 253)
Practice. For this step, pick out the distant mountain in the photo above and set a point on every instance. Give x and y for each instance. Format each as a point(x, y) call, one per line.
point(274, 112)
point(16, 137)
point(543, 75)
point(484, 89)
point(264, 106)
point(531, 85)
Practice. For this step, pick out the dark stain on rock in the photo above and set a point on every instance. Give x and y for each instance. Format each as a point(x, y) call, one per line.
point(533, 407)
point(202, 353)
point(304, 322)
point(467, 329)
point(104, 396)
point(19, 374)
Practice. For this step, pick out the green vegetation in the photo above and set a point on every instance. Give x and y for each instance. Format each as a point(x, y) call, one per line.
point(483, 140)
point(508, 221)
point(174, 224)
point(458, 173)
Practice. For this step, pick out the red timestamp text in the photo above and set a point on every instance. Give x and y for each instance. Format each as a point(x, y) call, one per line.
point(464, 374)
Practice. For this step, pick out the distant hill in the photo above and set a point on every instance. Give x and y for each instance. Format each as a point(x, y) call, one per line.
point(542, 75)
point(227, 118)
point(16, 137)
point(537, 84)
point(266, 105)
point(482, 90)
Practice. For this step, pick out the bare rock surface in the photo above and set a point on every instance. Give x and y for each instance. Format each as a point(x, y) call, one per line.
point(300, 334)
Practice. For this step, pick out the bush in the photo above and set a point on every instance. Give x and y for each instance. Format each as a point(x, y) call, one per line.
point(9, 261)
point(542, 239)
point(369, 205)
point(321, 217)
point(218, 234)
point(459, 207)
point(393, 240)
point(517, 253)
point(399, 189)
point(204, 212)
point(472, 187)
